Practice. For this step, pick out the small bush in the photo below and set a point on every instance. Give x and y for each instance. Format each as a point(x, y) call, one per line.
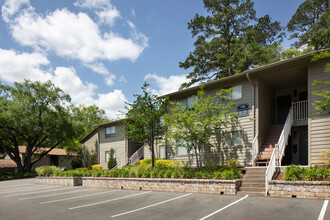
point(47, 170)
point(217, 175)
point(76, 162)
point(82, 169)
point(92, 160)
point(232, 163)
point(163, 164)
point(293, 173)
point(97, 167)
point(324, 158)
point(175, 174)
point(112, 162)
point(309, 173)
point(154, 173)
point(146, 174)
point(198, 175)
point(168, 173)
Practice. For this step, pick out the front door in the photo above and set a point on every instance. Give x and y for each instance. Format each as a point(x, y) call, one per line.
point(283, 108)
point(54, 160)
point(303, 149)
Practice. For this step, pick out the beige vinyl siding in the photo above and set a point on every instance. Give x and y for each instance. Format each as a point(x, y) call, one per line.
point(91, 145)
point(245, 125)
point(319, 124)
point(117, 142)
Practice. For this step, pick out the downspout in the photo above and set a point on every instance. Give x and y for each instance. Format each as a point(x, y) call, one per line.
point(253, 106)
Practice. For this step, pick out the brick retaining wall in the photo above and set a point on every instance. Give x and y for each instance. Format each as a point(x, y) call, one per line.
point(165, 185)
point(62, 181)
point(300, 189)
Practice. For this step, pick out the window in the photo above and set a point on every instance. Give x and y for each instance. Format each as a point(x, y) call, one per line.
point(162, 152)
point(233, 138)
point(181, 148)
point(110, 131)
point(189, 102)
point(236, 92)
point(107, 155)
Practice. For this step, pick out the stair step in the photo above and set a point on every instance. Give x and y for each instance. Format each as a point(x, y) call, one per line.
point(252, 189)
point(253, 181)
point(254, 177)
point(257, 185)
point(248, 192)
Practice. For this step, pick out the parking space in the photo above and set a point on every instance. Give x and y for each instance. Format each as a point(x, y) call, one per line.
point(22, 199)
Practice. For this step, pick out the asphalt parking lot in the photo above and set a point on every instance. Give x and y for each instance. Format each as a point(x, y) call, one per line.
point(22, 199)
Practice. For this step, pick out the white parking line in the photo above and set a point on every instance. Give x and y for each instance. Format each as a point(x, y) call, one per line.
point(55, 194)
point(27, 189)
point(76, 197)
point(324, 208)
point(96, 203)
point(233, 203)
point(135, 210)
point(37, 192)
point(17, 186)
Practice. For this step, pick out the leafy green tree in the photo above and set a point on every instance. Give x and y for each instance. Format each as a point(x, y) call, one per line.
point(200, 127)
point(33, 114)
point(92, 159)
point(144, 118)
point(112, 162)
point(310, 24)
point(85, 117)
point(324, 104)
point(230, 40)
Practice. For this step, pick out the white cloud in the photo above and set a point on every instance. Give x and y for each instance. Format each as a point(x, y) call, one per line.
point(75, 36)
point(162, 85)
point(15, 67)
point(10, 7)
point(113, 103)
point(122, 79)
point(108, 15)
point(85, 93)
point(68, 80)
point(98, 68)
point(110, 80)
point(133, 12)
point(92, 4)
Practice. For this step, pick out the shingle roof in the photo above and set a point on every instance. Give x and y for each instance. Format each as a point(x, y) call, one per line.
point(7, 164)
point(55, 151)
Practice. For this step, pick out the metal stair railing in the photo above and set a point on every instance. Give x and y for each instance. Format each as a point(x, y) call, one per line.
point(279, 149)
point(255, 149)
point(122, 162)
point(137, 156)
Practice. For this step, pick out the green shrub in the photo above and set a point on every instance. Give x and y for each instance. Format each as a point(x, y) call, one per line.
point(82, 169)
point(175, 174)
point(76, 162)
point(92, 160)
point(132, 173)
point(323, 173)
point(293, 173)
point(112, 162)
point(232, 163)
point(228, 175)
point(205, 174)
point(198, 175)
point(47, 170)
point(168, 173)
point(310, 173)
point(154, 173)
point(139, 173)
point(146, 174)
point(161, 173)
point(217, 175)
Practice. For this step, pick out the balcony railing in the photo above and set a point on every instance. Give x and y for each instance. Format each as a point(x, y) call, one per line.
point(300, 110)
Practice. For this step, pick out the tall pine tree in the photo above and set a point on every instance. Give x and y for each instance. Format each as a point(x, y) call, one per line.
point(230, 40)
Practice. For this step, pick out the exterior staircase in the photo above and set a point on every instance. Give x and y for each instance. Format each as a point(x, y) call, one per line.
point(253, 181)
point(268, 146)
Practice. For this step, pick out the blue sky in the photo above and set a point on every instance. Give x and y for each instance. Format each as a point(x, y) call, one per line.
point(100, 51)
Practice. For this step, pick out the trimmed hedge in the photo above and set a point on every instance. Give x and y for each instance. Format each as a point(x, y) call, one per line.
point(296, 173)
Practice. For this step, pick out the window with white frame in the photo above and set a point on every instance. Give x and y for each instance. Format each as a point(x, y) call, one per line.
point(110, 131)
point(162, 152)
point(107, 155)
point(233, 138)
point(236, 92)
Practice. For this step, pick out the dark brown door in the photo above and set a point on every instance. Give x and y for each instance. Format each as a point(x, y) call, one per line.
point(303, 149)
point(283, 108)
